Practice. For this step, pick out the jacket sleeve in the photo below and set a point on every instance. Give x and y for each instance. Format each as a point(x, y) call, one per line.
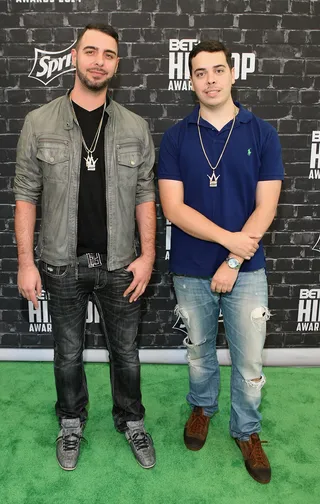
point(28, 177)
point(145, 185)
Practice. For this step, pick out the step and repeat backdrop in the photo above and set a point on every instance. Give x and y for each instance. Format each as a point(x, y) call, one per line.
point(276, 52)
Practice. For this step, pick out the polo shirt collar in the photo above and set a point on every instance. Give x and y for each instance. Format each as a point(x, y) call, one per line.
point(244, 115)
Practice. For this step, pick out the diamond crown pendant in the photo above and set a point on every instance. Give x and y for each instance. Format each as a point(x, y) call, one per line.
point(213, 182)
point(90, 162)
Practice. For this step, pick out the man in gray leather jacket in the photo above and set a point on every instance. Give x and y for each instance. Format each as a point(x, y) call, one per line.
point(91, 160)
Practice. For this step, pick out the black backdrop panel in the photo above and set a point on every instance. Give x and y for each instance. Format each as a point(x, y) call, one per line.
point(276, 49)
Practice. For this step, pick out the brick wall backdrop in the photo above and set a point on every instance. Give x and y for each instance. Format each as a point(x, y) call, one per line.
point(277, 48)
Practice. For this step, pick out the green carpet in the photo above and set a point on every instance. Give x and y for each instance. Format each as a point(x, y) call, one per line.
point(107, 471)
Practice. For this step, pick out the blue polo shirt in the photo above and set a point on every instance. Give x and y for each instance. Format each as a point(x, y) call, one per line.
point(252, 154)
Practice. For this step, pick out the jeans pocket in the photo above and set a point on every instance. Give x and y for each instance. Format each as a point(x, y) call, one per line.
point(124, 270)
point(54, 271)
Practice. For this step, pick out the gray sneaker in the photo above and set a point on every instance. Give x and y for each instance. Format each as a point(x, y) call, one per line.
point(141, 444)
point(68, 443)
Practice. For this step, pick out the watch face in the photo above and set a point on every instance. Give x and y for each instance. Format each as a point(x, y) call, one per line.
point(233, 263)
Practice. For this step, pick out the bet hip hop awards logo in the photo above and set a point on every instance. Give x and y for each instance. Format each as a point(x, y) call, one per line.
point(315, 156)
point(179, 64)
point(309, 310)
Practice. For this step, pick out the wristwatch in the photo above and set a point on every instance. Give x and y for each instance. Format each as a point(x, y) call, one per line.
point(233, 263)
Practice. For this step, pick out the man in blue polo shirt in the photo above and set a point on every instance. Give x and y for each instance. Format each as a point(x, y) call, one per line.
point(220, 173)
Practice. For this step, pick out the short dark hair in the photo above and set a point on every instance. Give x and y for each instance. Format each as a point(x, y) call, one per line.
point(104, 28)
point(210, 46)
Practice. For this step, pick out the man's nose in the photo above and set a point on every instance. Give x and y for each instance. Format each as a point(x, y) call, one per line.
point(211, 78)
point(99, 59)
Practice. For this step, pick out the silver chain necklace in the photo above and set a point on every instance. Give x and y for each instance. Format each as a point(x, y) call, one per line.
point(213, 179)
point(90, 162)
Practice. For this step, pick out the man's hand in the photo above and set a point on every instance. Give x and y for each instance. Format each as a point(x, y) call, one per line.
point(243, 244)
point(29, 283)
point(141, 269)
point(224, 279)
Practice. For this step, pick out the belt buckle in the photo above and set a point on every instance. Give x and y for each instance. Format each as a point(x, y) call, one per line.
point(94, 260)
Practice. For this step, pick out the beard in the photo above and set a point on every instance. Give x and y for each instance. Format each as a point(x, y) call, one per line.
point(93, 86)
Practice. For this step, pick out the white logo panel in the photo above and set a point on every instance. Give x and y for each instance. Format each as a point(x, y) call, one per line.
point(49, 65)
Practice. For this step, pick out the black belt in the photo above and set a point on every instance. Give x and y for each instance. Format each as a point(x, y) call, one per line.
point(92, 259)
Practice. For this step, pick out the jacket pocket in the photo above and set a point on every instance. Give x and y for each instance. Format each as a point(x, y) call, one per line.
point(129, 158)
point(54, 156)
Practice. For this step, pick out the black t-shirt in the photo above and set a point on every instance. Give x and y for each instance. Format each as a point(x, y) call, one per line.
point(92, 225)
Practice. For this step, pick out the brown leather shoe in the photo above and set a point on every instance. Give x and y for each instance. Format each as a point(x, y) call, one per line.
point(196, 429)
point(256, 460)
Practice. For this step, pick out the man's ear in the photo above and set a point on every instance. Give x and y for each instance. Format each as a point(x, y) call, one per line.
point(233, 75)
point(74, 56)
point(117, 66)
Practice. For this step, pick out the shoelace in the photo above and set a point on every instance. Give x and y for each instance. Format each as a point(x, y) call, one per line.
point(71, 441)
point(140, 440)
point(198, 424)
point(257, 453)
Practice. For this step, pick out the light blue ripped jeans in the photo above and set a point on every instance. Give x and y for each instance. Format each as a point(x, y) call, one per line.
point(245, 314)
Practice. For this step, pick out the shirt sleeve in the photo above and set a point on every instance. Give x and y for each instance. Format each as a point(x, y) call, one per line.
point(271, 160)
point(168, 165)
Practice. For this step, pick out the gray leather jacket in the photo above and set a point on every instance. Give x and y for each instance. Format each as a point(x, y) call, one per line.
point(48, 163)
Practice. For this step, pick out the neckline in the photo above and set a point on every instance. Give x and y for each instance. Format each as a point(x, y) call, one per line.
point(89, 112)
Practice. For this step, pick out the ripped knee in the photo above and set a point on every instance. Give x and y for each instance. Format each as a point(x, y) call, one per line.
point(179, 311)
point(256, 384)
point(259, 316)
point(195, 350)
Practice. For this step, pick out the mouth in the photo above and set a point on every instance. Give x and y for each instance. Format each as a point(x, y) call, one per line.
point(97, 72)
point(212, 92)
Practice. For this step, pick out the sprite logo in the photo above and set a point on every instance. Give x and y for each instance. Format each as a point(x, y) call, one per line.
point(48, 65)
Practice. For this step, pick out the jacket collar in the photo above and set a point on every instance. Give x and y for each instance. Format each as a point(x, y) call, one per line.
point(68, 115)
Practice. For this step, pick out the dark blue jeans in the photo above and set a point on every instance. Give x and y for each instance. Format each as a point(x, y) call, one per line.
point(69, 290)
